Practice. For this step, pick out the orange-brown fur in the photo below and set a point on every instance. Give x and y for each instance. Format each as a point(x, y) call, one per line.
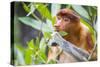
point(78, 33)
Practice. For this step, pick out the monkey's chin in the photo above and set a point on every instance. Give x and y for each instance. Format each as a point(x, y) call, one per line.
point(56, 30)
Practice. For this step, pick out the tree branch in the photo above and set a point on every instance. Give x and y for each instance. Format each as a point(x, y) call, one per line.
point(78, 53)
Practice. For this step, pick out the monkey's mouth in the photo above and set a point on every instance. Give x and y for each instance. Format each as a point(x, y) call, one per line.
point(56, 29)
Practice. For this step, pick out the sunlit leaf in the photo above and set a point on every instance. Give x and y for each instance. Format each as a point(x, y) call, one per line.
point(53, 20)
point(47, 35)
point(86, 23)
point(26, 7)
point(63, 33)
point(44, 11)
point(28, 56)
point(31, 44)
point(43, 56)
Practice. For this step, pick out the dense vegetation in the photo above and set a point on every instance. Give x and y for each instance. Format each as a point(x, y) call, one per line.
point(41, 17)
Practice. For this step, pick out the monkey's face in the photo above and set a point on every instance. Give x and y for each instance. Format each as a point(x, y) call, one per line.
point(62, 24)
point(67, 20)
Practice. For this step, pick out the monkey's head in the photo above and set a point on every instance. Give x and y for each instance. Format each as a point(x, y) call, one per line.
point(67, 19)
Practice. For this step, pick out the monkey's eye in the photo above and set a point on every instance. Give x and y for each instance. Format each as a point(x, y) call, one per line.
point(65, 19)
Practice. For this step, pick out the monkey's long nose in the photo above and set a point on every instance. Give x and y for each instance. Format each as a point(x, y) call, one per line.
point(58, 23)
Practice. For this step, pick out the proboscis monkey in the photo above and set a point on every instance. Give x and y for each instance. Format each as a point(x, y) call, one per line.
point(78, 34)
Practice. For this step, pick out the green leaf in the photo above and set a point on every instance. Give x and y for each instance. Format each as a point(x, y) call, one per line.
point(19, 55)
point(92, 10)
point(44, 11)
point(53, 20)
point(29, 21)
point(43, 56)
point(81, 11)
point(63, 33)
point(42, 45)
point(31, 44)
point(28, 56)
point(52, 62)
point(26, 7)
point(86, 23)
point(69, 6)
point(35, 24)
point(47, 35)
point(32, 9)
point(37, 42)
point(19, 47)
point(54, 9)
point(49, 24)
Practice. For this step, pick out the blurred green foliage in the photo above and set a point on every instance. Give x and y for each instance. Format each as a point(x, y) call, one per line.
point(35, 52)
